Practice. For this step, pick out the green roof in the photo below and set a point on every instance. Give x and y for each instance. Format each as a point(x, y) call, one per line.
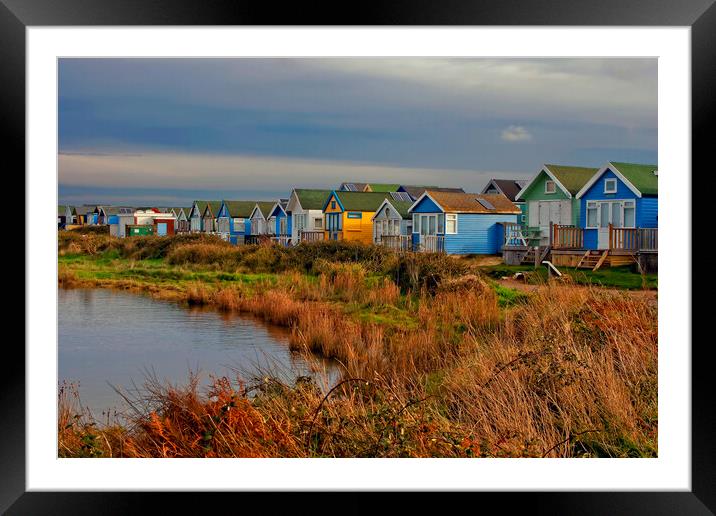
point(240, 209)
point(572, 178)
point(312, 199)
point(201, 205)
point(383, 187)
point(265, 207)
point(641, 176)
point(401, 207)
point(361, 201)
point(214, 206)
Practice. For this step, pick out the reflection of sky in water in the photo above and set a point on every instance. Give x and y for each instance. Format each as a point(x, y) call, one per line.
point(109, 337)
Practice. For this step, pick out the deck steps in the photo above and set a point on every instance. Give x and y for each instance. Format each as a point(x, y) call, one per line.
point(594, 260)
point(529, 257)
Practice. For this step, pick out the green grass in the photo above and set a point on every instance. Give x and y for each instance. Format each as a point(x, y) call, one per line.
point(387, 315)
point(110, 267)
point(613, 277)
point(507, 297)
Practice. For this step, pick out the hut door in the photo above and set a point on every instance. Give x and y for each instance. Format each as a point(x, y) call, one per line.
point(609, 213)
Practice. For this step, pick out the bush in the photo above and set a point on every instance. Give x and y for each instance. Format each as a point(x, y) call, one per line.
point(410, 271)
point(416, 271)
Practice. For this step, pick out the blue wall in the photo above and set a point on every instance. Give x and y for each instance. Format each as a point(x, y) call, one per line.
point(647, 212)
point(426, 206)
point(477, 233)
point(596, 192)
point(646, 207)
point(280, 215)
point(233, 234)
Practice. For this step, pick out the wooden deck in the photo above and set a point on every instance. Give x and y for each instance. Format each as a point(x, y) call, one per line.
point(396, 242)
point(311, 236)
point(566, 248)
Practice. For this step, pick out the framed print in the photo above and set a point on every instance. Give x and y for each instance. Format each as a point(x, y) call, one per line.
point(417, 250)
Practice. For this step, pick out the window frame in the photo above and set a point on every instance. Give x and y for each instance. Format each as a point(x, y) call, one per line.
point(595, 207)
point(632, 206)
point(554, 186)
point(610, 180)
point(451, 217)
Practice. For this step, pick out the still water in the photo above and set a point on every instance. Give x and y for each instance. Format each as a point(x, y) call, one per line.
point(109, 338)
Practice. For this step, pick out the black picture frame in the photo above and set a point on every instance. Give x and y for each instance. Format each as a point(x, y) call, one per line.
point(700, 15)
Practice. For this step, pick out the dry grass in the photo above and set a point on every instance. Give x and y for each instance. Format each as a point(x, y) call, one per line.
point(567, 373)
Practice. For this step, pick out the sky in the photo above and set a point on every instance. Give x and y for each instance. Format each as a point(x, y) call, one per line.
point(169, 131)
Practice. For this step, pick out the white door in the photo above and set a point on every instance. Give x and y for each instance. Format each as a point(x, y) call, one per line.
point(549, 211)
point(610, 212)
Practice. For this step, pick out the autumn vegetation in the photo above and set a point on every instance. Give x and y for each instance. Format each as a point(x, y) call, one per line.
point(436, 360)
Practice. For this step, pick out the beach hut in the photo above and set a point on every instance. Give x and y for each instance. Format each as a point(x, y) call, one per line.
point(393, 224)
point(62, 215)
point(461, 223)
point(348, 215)
point(85, 214)
point(415, 191)
point(550, 198)
point(209, 216)
point(234, 222)
point(509, 188)
point(183, 224)
point(281, 222)
point(352, 187)
point(118, 218)
point(305, 213)
point(260, 219)
point(619, 207)
point(381, 187)
point(196, 213)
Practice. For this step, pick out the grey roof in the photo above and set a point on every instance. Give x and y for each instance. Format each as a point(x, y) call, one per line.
point(416, 191)
point(509, 187)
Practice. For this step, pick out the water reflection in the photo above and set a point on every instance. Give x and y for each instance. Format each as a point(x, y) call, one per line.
point(115, 338)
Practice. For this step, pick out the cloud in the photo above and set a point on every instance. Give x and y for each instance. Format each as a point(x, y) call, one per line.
point(516, 133)
point(236, 173)
point(415, 114)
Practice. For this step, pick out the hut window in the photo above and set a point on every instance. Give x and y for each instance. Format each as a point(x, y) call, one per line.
point(416, 223)
point(432, 223)
point(318, 223)
point(610, 186)
point(451, 223)
point(629, 214)
point(616, 215)
point(333, 205)
point(591, 214)
point(441, 223)
point(549, 187)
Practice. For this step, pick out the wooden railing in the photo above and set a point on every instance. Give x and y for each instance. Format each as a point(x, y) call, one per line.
point(634, 239)
point(566, 237)
point(311, 236)
point(396, 242)
point(517, 235)
point(432, 243)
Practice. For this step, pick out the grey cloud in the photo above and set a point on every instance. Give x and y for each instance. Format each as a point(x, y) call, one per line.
point(516, 133)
